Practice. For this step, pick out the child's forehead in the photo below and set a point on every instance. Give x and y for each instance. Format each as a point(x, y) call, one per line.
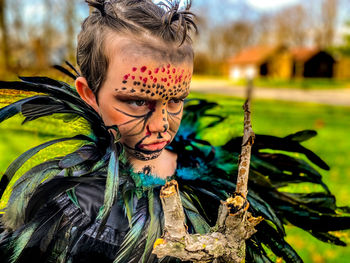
point(126, 49)
point(155, 82)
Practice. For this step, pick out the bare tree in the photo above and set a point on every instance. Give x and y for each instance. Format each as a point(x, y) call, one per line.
point(70, 20)
point(4, 34)
point(329, 19)
point(237, 36)
point(264, 29)
point(324, 21)
point(291, 26)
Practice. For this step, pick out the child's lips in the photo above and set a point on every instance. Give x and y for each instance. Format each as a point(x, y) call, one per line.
point(154, 146)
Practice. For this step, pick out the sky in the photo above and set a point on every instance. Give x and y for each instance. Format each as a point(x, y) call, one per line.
point(263, 4)
point(34, 10)
point(270, 4)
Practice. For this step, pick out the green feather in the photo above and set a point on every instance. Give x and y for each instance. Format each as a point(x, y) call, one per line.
point(128, 197)
point(112, 185)
point(133, 235)
point(15, 165)
point(21, 242)
point(73, 197)
point(23, 191)
point(302, 135)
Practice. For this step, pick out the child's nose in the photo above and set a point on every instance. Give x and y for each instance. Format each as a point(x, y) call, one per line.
point(158, 122)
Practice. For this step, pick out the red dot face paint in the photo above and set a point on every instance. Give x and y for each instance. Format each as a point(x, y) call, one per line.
point(170, 83)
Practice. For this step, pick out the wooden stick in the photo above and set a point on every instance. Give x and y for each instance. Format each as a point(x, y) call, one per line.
point(248, 140)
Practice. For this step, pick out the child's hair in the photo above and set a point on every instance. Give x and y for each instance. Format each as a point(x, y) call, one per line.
point(167, 22)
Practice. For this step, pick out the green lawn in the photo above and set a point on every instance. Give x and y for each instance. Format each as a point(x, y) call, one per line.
point(269, 117)
point(313, 83)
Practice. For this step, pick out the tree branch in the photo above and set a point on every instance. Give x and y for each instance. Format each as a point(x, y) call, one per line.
point(248, 140)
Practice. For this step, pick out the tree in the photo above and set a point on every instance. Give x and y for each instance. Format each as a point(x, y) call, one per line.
point(329, 19)
point(291, 26)
point(236, 36)
point(70, 19)
point(4, 34)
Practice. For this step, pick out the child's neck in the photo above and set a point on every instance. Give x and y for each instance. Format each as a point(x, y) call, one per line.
point(163, 166)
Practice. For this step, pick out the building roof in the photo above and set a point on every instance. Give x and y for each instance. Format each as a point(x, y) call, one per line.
point(254, 55)
point(303, 54)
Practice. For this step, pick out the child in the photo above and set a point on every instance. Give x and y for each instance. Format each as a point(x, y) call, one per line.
point(136, 63)
point(101, 203)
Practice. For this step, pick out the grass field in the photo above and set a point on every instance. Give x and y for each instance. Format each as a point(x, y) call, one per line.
point(282, 83)
point(269, 117)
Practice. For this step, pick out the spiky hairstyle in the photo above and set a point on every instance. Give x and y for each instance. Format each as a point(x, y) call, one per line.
point(164, 21)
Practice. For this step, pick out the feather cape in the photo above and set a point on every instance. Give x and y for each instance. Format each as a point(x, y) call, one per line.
point(90, 206)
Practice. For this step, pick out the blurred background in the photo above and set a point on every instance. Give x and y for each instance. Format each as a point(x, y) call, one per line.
point(282, 39)
point(298, 53)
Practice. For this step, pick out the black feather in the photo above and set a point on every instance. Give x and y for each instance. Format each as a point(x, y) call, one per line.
point(65, 71)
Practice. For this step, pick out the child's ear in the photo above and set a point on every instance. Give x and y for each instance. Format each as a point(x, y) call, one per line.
point(85, 92)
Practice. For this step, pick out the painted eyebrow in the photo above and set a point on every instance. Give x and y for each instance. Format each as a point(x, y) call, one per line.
point(131, 97)
point(181, 97)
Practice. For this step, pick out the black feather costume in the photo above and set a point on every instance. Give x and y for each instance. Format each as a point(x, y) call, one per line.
point(89, 206)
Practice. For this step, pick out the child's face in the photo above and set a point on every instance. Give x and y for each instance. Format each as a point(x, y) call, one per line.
point(143, 95)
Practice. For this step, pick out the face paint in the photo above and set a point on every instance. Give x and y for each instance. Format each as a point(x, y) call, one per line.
point(170, 115)
point(147, 106)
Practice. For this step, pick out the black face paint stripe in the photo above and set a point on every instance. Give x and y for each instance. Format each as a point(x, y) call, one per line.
point(176, 113)
point(175, 117)
point(130, 115)
point(171, 136)
point(144, 120)
point(136, 126)
point(136, 119)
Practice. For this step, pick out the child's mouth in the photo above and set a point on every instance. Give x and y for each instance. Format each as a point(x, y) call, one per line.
point(154, 146)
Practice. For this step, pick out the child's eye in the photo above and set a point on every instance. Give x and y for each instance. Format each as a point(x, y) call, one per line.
point(176, 101)
point(175, 105)
point(138, 103)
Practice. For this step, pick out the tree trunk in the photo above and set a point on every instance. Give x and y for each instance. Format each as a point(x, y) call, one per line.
point(70, 17)
point(4, 35)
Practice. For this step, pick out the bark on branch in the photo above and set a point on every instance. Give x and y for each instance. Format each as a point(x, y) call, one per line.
point(226, 240)
point(248, 140)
